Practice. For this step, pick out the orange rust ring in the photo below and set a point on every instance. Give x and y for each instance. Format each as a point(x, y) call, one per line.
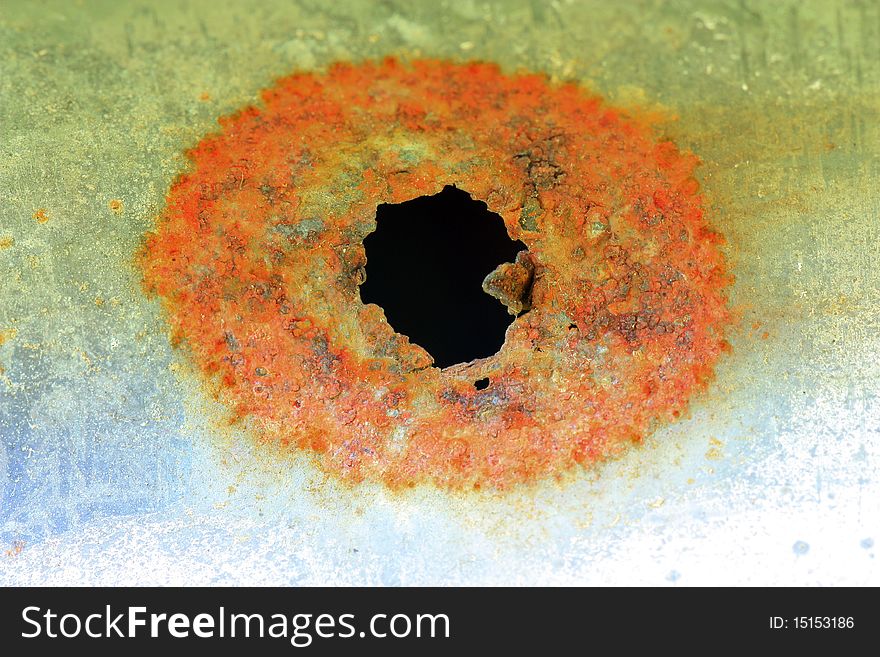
point(259, 254)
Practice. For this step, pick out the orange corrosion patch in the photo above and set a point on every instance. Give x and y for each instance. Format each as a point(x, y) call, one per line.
point(41, 216)
point(116, 206)
point(16, 549)
point(6, 335)
point(258, 257)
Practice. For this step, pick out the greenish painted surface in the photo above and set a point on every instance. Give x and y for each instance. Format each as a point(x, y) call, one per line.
point(112, 468)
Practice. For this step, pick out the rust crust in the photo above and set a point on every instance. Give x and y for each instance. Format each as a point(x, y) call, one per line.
point(511, 283)
point(620, 302)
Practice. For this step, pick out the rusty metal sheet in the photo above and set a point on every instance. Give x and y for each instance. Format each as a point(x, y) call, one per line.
point(116, 465)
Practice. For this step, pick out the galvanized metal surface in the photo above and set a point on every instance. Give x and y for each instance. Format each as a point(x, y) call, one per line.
point(114, 468)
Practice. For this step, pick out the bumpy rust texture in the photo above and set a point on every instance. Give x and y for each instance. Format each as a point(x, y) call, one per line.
point(511, 283)
point(258, 257)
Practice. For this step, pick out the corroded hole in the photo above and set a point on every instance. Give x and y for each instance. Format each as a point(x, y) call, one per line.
point(426, 266)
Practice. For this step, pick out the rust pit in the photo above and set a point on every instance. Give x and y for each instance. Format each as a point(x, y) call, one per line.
point(259, 255)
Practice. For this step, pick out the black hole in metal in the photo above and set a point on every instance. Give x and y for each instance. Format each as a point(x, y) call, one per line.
point(481, 384)
point(426, 263)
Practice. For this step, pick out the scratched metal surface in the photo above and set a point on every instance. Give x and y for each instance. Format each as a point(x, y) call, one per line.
point(112, 467)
